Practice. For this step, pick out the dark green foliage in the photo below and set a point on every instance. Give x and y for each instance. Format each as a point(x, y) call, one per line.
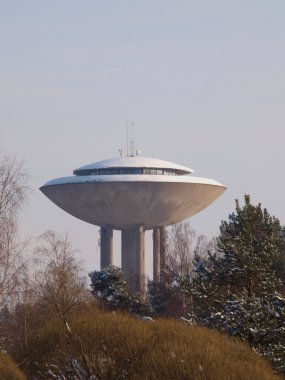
point(250, 244)
point(109, 286)
point(166, 297)
point(280, 262)
point(260, 321)
point(236, 290)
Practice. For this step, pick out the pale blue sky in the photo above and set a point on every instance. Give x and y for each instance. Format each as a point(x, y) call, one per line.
point(204, 83)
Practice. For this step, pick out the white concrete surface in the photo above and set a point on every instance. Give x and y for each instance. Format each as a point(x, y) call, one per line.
point(133, 203)
point(135, 162)
point(149, 201)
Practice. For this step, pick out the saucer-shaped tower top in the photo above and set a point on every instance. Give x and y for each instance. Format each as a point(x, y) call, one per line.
point(133, 165)
point(126, 192)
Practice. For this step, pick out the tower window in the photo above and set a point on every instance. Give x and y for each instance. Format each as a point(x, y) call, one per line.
point(126, 171)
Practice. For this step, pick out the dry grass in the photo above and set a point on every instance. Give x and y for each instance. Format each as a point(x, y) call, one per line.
point(8, 369)
point(121, 347)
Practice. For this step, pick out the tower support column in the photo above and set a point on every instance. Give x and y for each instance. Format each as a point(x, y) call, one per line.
point(156, 254)
point(133, 258)
point(163, 244)
point(106, 246)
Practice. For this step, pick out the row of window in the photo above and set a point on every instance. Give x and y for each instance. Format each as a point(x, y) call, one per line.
point(114, 171)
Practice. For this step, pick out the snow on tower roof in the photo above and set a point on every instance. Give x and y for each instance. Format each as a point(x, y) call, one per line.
point(134, 162)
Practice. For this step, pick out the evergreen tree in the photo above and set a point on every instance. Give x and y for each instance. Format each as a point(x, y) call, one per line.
point(250, 244)
point(280, 262)
point(109, 286)
point(236, 289)
point(245, 264)
point(166, 296)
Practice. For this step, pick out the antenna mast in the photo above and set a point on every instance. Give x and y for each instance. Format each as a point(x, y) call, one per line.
point(127, 128)
point(131, 142)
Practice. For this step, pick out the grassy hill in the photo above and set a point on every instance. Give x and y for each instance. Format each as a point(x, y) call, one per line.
point(116, 346)
point(9, 369)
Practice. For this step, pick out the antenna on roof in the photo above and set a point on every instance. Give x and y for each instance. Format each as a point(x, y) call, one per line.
point(131, 142)
point(127, 128)
point(121, 152)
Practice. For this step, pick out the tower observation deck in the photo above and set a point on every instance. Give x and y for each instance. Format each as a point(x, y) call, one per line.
point(133, 194)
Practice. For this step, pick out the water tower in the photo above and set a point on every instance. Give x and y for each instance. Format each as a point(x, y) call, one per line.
point(133, 194)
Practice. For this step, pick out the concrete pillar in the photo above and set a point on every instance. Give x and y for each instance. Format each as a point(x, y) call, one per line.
point(128, 254)
point(133, 258)
point(106, 238)
point(163, 242)
point(141, 261)
point(156, 254)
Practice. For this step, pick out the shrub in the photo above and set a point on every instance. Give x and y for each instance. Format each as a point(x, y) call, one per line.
point(8, 369)
point(117, 346)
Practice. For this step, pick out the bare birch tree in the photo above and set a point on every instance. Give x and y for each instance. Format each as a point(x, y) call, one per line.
point(183, 245)
point(59, 280)
point(13, 192)
point(60, 286)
